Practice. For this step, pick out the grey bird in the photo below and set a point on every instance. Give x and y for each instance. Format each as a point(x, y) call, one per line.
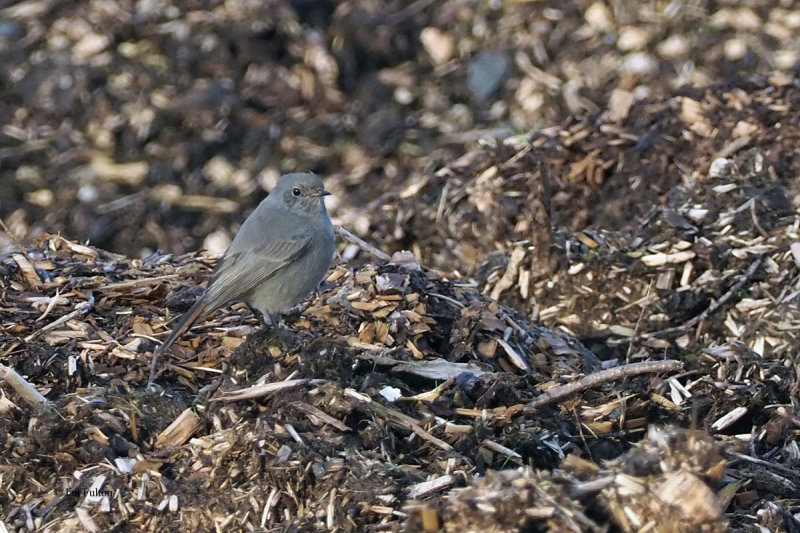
point(280, 254)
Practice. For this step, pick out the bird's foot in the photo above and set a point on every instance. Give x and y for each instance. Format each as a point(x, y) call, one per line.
point(271, 327)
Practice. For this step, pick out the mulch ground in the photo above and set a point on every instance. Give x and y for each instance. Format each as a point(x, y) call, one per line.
point(596, 327)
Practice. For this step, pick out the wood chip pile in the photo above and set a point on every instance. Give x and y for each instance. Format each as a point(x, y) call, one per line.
point(596, 328)
point(391, 397)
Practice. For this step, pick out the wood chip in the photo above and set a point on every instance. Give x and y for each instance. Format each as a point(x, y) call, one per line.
point(181, 429)
point(28, 272)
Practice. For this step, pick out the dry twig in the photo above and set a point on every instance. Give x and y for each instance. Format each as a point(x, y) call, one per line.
point(257, 391)
point(80, 310)
point(361, 243)
point(324, 417)
point(399, 418)
point(12, 237)
point(751, 270)
point(604, 376)
point(749, 273)
point(756, 461)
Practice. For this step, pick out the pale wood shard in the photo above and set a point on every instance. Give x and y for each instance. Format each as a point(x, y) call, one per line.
point(180, 431)
point(323, 417)
point(80, 310)
point(25, 390)
point(510, 275)
point(661, 259)
point(729, 418)
point(258, 391)
point(425, 488)
point(395, 416)
point(689, 494)
point(29, 274)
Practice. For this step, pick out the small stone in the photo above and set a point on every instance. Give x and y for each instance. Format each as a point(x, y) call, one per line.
point(91, 44)
point(742, 19)
point(87, 194)
point(786, 59)
point(599, 17)
point(619, 104)
point(403, 96)
point(780, 79)
point(41, 197)
point(219, 170)
point(11, 30)
point(735, 49)
point(778, 31)
point(632, 38)
point(438, 44)
point(743, 128)
point(486, 73)
point(789, 17)
point(674, 47)
point(638, 63)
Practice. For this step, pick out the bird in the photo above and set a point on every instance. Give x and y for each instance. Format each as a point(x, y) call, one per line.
point(278, 256)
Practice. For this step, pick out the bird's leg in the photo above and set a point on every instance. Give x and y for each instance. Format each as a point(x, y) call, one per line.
point(275, 320)
point(268, 321)
point(286, 337)
point(271, 322)
point(262, 319)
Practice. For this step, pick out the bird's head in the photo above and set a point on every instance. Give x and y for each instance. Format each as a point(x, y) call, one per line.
point(300, 192)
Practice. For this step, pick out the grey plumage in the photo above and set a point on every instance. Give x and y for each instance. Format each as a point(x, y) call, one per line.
point(280, 254)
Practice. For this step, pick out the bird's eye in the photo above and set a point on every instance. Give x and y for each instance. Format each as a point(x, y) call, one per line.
point(296, 191)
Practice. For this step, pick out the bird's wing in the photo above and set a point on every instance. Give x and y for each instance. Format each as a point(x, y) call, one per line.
point(241, 271)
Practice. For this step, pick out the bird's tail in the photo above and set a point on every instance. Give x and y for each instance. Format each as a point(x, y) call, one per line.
point(187, 320)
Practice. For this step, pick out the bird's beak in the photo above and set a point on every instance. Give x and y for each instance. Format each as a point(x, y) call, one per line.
point(322, 193)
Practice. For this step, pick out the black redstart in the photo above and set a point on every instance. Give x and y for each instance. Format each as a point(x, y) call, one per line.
point(280, 254)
